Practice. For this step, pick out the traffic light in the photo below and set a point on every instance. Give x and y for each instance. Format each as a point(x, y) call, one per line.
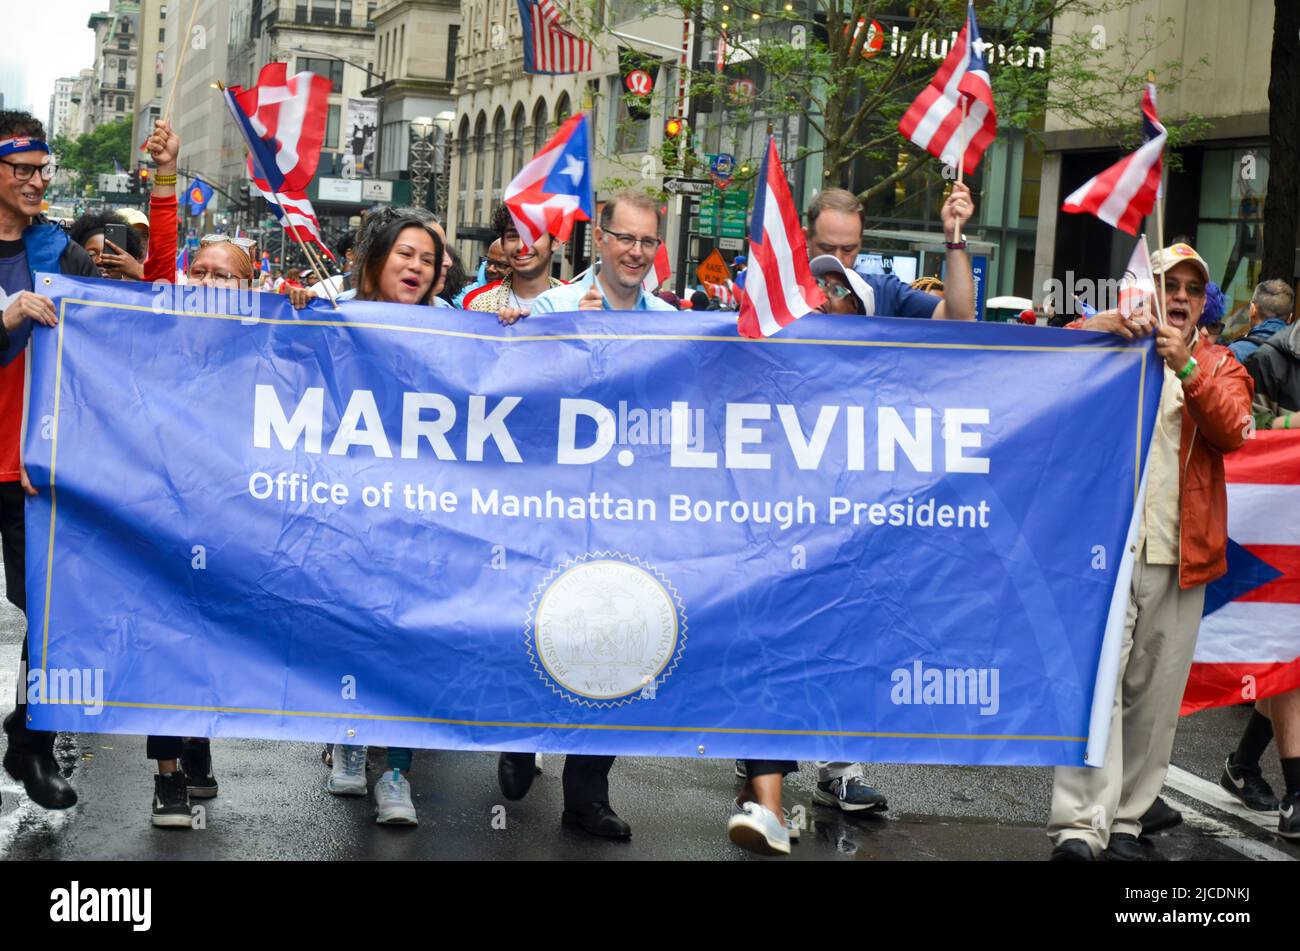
point(133, 180)
point(673, 129)
point(144, 178)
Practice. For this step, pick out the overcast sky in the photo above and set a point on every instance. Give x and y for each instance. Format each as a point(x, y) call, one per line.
point(44, 39)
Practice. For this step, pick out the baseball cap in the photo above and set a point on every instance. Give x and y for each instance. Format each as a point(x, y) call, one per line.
point(829, 264)
point(1166, 258)
point(133, 217)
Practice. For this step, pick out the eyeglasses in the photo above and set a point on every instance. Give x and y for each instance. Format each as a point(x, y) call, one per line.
point(1190, 288)
point(838, 291)
point(24, 172)
point(244, 244)
point(625, 242)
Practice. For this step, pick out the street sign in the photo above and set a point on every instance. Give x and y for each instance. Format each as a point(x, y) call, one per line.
point(721, 167)
point(731, 244)
point(734, 211)
point(376, 189)
point(687, 186)
point(713, 269)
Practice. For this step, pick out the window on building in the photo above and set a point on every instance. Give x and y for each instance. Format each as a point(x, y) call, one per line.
point(517, 123)
point(162, 12)
point(157, 80)
point(300, 12)
point(370, 12)
point(562, 108)
point(480, 134)
point(162, 34)
point(123, 43)
point(630, 135)
point(453, 37)
point(462, 149)
point(322, 12)
point(121, 104)
point(498, 151)
point(331, 69)
point(345, 12)
point(332, 129)
point(539, 126)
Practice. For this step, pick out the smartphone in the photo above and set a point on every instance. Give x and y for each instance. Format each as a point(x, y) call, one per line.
point(117, 235)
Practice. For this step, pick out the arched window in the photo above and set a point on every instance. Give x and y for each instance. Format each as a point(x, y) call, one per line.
point(499, 155)
point(562, 109)
point(517, 123)
point(480, 180)
point(540, 131)
point(462, 146)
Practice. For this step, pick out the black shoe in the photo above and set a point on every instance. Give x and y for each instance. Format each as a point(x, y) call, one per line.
point(1126, 848)
point(1288, 817)
point(1072, 850)
point(515, 772)
point(598, 819)
point(1248, 784)
point(39, 774)
point(196, 764)
point(171, 802)
point(1159, 817)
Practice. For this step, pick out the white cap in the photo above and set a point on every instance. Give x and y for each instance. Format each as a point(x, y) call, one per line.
point(830, 264)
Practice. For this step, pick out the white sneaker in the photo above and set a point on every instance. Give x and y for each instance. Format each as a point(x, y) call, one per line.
point(393, 804)
point(759, 830)
point(738, 809)
point(347, 771)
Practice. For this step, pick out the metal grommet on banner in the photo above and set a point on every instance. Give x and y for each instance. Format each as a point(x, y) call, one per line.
point(48, 282)
point(701, 749)
point(351, 733)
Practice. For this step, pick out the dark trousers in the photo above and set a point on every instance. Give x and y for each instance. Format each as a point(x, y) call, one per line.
point(169, 747)
point(13, 545)
point(586, 780)
point(766, 767)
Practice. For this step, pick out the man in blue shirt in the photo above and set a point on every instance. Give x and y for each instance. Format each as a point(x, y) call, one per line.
point(836, 220)
point(626, 238)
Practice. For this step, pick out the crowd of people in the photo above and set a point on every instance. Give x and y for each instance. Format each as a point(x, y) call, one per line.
point(402, 256)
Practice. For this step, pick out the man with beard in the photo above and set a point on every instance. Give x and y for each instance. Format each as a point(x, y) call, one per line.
point(529, 273)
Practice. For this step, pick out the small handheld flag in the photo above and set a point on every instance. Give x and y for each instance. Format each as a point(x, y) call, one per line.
point(954, 118)
point(1126, 192)
point(553, 191)
point(659, 272)
point(198, 196)
point(779, 286)
point(282, 119)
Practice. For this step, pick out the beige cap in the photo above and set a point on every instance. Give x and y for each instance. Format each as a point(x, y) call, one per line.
point(133, 217)
point(1166, 258)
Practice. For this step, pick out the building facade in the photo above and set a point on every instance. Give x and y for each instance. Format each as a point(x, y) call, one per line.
point(1216, 196)
point(62, 109)
point(117, 51)
point(149, 93)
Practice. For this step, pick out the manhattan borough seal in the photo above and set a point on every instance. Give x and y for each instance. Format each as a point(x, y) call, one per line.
point(605, 629)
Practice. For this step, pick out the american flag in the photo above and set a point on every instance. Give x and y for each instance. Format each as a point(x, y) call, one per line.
point(934, 120)
point(1249, 643)
point(1126, 192)
point(549, 49)
point(779, 287)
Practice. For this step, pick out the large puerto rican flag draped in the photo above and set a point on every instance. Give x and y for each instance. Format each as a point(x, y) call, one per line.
point(779, 287)
point(549, 49)
point(282, 119)
point(1249, 644)
point(553, 191)
point(1126, 192)
point(934, 120)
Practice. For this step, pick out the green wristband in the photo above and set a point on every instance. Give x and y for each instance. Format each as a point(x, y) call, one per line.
point(1186, 371)
point(1286, 423)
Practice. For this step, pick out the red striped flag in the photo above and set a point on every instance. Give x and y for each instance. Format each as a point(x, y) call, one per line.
point(1249, 643)
point(549, 49)
point(295, 212)
point(779, 287)
point(659, 272)
point(934, 121)
point(1126, 192)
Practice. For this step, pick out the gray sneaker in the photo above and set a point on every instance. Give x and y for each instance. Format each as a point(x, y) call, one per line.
point(347, 771)
point(393, 804)
point(852, 793)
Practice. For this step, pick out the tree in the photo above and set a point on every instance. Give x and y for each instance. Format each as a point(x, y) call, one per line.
point(94, 153)
point(1282, 205)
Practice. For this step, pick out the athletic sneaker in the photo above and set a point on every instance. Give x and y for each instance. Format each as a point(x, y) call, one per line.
point(1249, 785)
point(1288, 817)
point(171, 803)
point(790, 827)
point(852, 793)
point(393, 804)
point(347, 771)
point(196, 764)
point(742, 771)
point(759, 830)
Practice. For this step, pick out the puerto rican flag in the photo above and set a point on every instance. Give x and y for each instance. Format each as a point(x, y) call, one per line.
point(1249, 644)
point(934, 120)
point(779, 287)
point(659, 272)
point(549, 49)
point(1126, 192)
point(553, 191)
point(282, 119)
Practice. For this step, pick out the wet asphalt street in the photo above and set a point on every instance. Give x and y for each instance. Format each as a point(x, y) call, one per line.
point(273, 805)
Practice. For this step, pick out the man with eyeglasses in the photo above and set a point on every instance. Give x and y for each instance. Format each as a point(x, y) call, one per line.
point(28, 243)
point(1204, 412)
point(626, 239)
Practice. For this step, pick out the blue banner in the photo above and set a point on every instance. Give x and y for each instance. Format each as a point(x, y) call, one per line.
point(864, 539)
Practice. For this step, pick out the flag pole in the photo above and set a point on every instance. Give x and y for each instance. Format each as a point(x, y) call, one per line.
point(1160, 223)
point(184, 42)
point(961, 156)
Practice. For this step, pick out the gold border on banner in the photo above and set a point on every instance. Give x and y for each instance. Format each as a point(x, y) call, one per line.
point(545, 338)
